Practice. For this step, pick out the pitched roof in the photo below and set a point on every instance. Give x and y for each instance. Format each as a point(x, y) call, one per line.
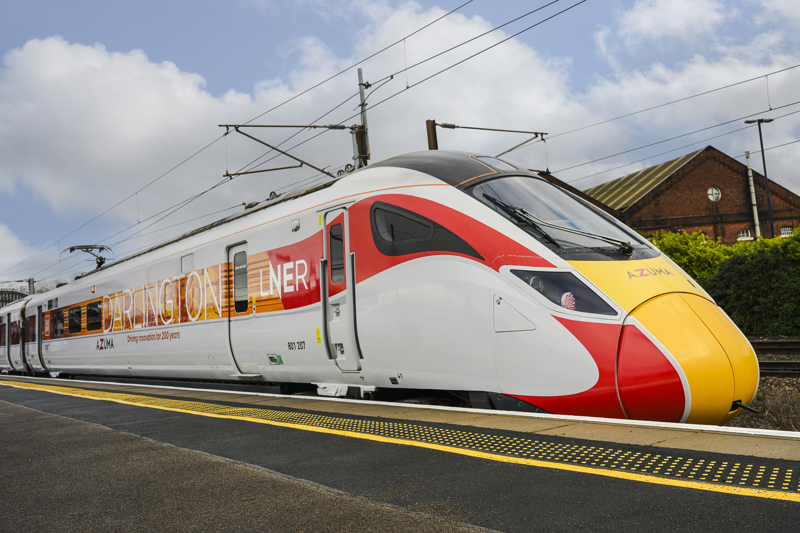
point(623, 192)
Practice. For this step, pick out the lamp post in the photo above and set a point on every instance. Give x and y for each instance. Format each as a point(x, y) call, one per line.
point(764, 163)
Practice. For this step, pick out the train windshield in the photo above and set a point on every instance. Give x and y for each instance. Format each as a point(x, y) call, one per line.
point(555, 208)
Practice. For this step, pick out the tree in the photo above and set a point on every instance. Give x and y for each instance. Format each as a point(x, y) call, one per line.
point(694, 253)
point(760, 291)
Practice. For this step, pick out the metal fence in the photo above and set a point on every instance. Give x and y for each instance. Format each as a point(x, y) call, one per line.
point(8, 296)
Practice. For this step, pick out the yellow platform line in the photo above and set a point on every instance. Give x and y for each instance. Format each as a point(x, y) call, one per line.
point(164, 405)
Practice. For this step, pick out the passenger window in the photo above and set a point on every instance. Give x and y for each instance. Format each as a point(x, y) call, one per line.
point(240, 282)
point(397, 231)
point(57, 324)
point(2, 333)
point(402, 228)
point(94, 316)
point(75, 320)
point(14, 332)
point(337, 254)
point(30, 329)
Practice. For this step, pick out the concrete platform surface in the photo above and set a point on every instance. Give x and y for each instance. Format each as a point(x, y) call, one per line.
point(90, 456)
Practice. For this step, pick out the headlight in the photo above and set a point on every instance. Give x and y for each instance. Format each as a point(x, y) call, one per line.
point(565, 290)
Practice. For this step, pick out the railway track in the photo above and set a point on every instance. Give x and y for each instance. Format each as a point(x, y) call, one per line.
point(779, 368)
point(776, 346)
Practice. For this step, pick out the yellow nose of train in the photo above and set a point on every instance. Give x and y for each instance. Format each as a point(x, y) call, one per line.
point(680, 359)
point(714, 362)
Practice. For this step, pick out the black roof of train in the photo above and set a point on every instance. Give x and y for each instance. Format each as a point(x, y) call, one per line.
point(453, 168)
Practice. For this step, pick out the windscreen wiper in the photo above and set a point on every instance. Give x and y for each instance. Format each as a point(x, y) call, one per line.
point(522, 216)
point(622, 246)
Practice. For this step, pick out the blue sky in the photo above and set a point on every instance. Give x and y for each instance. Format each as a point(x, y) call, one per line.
point(97, 99)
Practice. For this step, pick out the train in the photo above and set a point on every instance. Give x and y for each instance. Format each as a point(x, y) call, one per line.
point(435, 274)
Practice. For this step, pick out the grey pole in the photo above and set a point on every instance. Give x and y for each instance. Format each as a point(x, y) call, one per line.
point(364, 117)
point(766, 179)
point(764, 163)
point(753, 195)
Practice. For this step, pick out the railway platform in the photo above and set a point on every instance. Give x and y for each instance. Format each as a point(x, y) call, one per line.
point(98, 456)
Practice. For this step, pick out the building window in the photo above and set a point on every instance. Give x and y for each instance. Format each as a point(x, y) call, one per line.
point(786, 231)
point(714, 194)
point(744, 235)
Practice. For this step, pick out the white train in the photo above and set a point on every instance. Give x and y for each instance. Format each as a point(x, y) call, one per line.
point(431, 271)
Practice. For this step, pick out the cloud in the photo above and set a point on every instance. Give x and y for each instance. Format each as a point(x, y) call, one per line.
point(84, 127)
point(683, 20)
point(780, 11)
point(14, 249)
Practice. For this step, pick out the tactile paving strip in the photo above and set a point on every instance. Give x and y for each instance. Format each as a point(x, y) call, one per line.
point(737, 474)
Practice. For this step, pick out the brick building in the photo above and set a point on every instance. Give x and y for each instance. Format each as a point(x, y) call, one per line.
point(705, 191)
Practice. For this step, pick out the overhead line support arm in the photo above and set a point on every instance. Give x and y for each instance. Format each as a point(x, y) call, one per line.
point(284, 153)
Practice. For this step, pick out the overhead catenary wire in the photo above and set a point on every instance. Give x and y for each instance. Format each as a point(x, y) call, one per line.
point(660, 154)
point(251, 120)
point(399, 92)
point(385, 79)
point(767, 149)
point(672, 138)
point(118, 203)
point(360, 62)
point(190, 220)
point(651, 108)
point(679, 148)
point(463, 43)
point(186, 202)
point(403, 90)
point(446, 68)
point(183, 204)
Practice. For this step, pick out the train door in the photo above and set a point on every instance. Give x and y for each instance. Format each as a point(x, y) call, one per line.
point(15, 341)
point(338, 293)
point(31, 353)
point(4, 364)
point(34, 349)
point(241, 314)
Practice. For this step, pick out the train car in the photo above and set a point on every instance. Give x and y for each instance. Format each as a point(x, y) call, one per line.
point(13, 339)
point(434, 272)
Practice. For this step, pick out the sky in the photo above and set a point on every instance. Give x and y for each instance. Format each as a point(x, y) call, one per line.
point(110, 110)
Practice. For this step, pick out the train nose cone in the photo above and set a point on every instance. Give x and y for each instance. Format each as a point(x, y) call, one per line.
point(681, 359)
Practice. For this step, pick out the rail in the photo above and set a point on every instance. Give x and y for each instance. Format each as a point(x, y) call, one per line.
point(779, 368)
point(776, 345)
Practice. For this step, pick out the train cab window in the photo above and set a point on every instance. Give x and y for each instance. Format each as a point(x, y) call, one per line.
point(57, 324)
point(557, 219)
point(75, 320)
point(14, 332)
point(30, 329)
point(240, 282)
point(337, 254)
point(94, 316)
